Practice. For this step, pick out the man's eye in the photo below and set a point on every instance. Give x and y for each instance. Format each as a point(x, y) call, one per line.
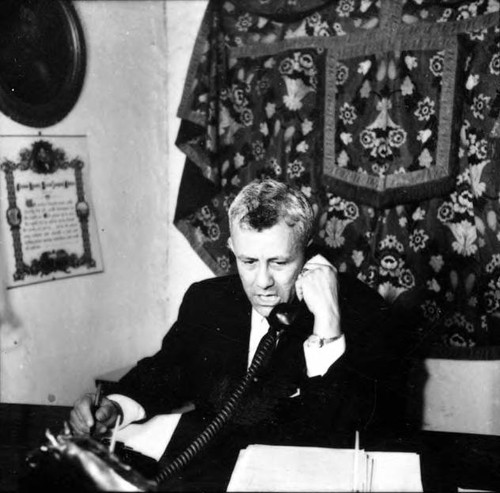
point(248, 261)
point(280, 262)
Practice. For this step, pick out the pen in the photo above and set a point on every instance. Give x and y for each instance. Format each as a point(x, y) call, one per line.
point(95, 406)
point(113, 435)
point(97, 397)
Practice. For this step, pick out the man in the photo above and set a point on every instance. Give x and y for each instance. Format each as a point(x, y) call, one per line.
point(320, 384)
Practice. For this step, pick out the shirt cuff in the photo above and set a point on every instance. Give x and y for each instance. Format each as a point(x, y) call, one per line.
point(319, 359)
point(132, 410)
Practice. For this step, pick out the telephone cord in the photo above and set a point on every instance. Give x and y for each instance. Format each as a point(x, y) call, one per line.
point(266, 345)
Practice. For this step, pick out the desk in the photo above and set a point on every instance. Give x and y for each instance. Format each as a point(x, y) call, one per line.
point(448, 459)
point(452, 460)
point(22, 428)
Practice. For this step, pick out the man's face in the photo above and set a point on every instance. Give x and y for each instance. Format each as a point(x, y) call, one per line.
point(268, 262)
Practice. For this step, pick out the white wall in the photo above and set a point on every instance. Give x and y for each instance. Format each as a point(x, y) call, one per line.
point(184, 266)
point(60, 335)
point(462, 396)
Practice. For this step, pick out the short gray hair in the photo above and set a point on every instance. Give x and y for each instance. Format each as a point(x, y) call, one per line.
point(263, 203)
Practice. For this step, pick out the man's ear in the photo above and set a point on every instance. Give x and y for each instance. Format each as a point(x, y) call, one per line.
point(230, 244)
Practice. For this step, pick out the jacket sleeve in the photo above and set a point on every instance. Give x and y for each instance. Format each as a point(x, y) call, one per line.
point(364, 388)
point(160, 382)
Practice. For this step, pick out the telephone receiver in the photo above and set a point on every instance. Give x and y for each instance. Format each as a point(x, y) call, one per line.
point(281, 318)
point(284, 315)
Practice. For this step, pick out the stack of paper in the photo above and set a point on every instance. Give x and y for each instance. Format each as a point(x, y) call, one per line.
point(282, 468)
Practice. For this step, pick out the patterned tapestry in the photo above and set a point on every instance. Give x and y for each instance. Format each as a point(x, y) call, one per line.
point(385, 113)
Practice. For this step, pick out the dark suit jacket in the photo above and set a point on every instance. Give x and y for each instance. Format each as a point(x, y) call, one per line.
point(204, 356)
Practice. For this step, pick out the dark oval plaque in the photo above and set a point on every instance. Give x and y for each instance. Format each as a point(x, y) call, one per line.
point(42, 60)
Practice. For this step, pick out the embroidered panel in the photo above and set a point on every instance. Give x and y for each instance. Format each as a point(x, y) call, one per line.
point(385, 114)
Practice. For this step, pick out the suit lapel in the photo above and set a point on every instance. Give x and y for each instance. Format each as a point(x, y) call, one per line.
point(234, 324)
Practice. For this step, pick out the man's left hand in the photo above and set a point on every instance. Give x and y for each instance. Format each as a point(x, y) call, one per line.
point(317, 286)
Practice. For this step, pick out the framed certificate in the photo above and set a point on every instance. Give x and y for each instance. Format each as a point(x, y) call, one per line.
point(48, 223)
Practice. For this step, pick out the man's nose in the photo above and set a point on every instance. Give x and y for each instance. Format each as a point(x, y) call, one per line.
point(264, 277)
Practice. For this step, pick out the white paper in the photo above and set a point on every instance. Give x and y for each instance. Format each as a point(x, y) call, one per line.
point(280, 468)
point(395, 471)
point(152, 437)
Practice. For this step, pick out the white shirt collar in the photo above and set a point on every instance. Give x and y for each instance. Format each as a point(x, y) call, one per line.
point(259, 327)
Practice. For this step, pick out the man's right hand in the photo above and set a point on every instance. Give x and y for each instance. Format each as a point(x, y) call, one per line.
point(84, 419)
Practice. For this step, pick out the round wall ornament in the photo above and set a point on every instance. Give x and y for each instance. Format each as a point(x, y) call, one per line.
point(42, 60)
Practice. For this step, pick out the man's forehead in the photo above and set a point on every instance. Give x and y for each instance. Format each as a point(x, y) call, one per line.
point(278, 241)
point(281, 229)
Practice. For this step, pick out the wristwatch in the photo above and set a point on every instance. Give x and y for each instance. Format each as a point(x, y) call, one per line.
point(316, 341)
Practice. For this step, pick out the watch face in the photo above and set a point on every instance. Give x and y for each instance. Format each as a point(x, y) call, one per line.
point(314, 341)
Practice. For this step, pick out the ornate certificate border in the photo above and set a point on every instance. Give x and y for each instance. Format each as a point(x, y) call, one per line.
point(47, 210)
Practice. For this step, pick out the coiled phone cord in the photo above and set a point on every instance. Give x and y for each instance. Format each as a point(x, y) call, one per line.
point(266, 345)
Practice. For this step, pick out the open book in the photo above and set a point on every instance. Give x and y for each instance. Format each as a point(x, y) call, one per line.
point(284, 468)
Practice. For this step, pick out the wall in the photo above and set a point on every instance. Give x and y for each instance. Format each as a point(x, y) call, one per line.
point(462, 396)
point(55, 337)
point(184, 266)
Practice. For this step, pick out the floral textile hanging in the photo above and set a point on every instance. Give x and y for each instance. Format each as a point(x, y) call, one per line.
point(385, 113)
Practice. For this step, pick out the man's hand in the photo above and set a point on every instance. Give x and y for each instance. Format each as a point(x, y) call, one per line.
point(83, 417)
point(317, 286)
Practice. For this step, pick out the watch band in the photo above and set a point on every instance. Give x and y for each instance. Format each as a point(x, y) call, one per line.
point(316, 341)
